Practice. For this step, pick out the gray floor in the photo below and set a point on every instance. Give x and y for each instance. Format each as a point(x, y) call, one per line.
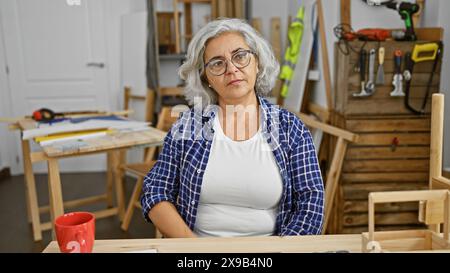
point(16, 233)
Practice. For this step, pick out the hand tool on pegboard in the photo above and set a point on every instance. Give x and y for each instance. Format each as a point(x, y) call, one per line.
point(421, 53)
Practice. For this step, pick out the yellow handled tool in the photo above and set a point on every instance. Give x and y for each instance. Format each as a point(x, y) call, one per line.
point(424, 52)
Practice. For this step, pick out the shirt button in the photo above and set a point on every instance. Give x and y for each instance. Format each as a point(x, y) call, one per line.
point(193, 203)
point(199, 171)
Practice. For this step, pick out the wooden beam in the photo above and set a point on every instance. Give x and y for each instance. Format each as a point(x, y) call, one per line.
point(176, 19)
point(213, 9)
point(417, 16)
point(275, 36)
point(346, 12)
point(326, 128)
point(77, 202)
point(319, 111)
point(333, 179)
point(149, 105)
point(188, 21)
point(407, 196)
point(38, 157)
point(239, 9)
point(325, 60)
point(257, 24)
point(440, 182)
point(437, 136)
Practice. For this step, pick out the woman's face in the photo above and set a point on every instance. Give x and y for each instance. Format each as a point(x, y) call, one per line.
point(229, 54)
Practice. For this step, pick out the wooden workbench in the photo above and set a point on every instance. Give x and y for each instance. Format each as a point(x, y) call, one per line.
point(272, 244)
point(114, 145)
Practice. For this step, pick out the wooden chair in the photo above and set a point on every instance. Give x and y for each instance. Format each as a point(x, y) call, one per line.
point(167, 116)
point(149, 100)
point(434, 204)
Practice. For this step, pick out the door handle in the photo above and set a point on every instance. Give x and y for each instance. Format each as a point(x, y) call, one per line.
point(99, 65)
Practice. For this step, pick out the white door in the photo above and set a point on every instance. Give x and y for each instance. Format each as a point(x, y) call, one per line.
point(56, 52)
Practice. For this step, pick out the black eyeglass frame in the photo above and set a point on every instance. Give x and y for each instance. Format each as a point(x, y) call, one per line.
point(231, 60)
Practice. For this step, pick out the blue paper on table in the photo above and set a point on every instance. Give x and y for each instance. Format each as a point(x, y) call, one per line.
point(77, 120)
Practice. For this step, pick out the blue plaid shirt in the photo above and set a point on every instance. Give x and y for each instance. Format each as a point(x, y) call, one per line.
point(178, 173)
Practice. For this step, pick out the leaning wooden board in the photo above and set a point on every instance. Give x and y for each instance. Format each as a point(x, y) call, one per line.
point(394, 146)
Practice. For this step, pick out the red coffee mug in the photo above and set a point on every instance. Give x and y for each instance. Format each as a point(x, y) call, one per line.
point(75, 232)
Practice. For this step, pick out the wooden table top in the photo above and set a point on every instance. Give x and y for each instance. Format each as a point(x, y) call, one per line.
point(271, 244)
point(149, 137)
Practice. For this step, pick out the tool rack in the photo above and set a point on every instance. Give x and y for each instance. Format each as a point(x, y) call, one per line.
point(394, 146)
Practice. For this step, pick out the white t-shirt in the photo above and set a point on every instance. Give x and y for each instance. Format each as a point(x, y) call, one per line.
point(241, 188)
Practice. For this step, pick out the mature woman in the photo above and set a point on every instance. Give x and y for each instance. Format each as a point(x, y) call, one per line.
point(234, 164)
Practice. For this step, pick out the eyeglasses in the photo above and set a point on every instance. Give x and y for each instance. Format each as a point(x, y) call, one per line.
point(240, 59)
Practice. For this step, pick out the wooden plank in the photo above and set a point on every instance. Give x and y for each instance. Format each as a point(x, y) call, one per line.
point(171, 91)
point(30, 191)
point(342, 85)
point(430, 34)
point(116, 161)
point(188, 21)
point(431, 212)
point(151, 136)
point(322, 113)
point(176, 18)
point(437, 136)
point(150, 105)
point(363, 228)
point(385, 177)
point(213, 9)
point(326, 128)
point(239, 9)
point(346, 12)
point(105, 213)
point(361, 191)
point(222, 8)
point(416, 18)
point(131, 206)
point(333, 179)
point(361, 206)
point(324, 52)
point(78, 202)
point(407, 196)
point(257, 24)
point(382, 107)
point(275, 36)
point(436, 146)
point(388, 153)
point(388, 125)
point(267, 244)
point(404, 245)
point(26, 124)
point(396, 218)
point(440, 183)
point(55, 192)
point(388, 165)
point(109, 179)
point(229, 11)
point(387, 139)
point(194, 1)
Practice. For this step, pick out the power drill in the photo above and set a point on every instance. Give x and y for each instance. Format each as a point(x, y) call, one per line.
point(406, 11)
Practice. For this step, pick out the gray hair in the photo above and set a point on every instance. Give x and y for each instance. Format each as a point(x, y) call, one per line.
point(197, 90)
